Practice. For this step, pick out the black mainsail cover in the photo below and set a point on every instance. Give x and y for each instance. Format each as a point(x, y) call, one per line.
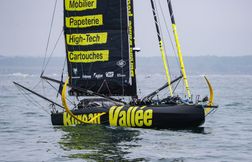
point(99, 37)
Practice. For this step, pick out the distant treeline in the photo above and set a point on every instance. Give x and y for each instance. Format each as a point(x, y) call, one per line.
point(149, 65)
point(201, 64)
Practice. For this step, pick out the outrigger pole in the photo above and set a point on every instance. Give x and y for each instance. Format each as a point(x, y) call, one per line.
point(84, 90)
point(161, 46)
point(39, 95)
point(182, 67)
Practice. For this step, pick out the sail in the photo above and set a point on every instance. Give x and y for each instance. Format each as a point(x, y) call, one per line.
point(99, 45)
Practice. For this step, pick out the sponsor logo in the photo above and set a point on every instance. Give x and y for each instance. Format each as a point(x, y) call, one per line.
point(121, 75)
point(80, 5)
point(69, 120)
point(84, 21)
point(86, 76)
point(87, 39)
point(132, 117)
point(88, 56)
point(110, 74)
point(75, 71)
point(98, 76)
point(77, 77)
point(121, 63)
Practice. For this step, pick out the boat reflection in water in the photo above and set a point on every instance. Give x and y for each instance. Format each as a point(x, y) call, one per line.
point(99, 143)
point(103, 143)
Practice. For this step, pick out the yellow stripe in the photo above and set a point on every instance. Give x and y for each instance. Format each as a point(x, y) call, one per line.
point(64, 103)
point(181, 60)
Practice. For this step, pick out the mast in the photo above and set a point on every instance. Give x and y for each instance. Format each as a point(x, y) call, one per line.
point(181, 62)
point(161, 46)
point(132, 52)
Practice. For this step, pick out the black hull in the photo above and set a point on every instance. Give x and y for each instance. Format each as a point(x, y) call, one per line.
point(161, 117)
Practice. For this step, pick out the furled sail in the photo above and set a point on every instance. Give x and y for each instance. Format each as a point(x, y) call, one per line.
point(99, 36)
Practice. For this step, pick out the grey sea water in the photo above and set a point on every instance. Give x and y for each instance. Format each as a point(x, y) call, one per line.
point(26, 133)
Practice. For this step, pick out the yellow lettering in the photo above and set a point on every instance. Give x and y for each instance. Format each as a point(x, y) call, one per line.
point(98, 120)
point(139, 118)
point(133, 116)
point(67, 119)
point(128, 116)
point(85, 118)
point(148, 114)
point(84, 21)
point(113, 115)
point(86, 39)
point(90, 117)
point(123, 120)
point(132, 71)
point(80, 5)
point(88, 56)
point(79, 117)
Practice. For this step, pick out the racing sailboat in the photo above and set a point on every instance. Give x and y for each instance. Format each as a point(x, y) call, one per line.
point(101, 63)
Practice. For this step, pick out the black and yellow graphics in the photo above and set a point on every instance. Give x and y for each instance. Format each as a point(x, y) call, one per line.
point(161, 47)
point(84, 21)
point(99, 37)
point(69, 120)
point(131, 37)
point(80, 5)
point(87, 39)
point(131, 117)
point(88, 56)
point(181, 62)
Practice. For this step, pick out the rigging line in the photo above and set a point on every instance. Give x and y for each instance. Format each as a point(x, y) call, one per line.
point(161, 46)
point(62, 76)
point(57, 91)
point(63, 69)
point(36, 85)
point(169, 34)
point(174, 89)
point(162, 36)
point(33, 101)
point(176, 85)
point(43, 87)
point(56, 44)
point(98, 91)
point(70, 65)
point(182, 67)
point(108, 88)
point(61, 79)
point(30, 99)
point(49, 36)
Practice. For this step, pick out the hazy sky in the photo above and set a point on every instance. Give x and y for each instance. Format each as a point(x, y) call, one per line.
point(206, 27)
